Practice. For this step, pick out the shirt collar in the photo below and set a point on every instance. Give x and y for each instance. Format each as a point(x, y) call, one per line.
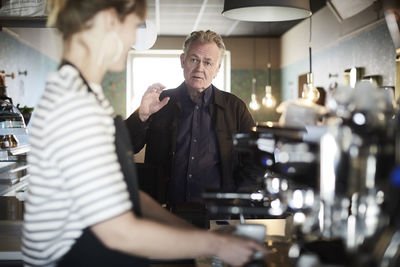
point(206, 95)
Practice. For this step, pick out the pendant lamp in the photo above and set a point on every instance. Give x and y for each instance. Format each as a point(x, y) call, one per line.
point(310, 92)
point(254, 105)
point(269, 100)
point(266, 10)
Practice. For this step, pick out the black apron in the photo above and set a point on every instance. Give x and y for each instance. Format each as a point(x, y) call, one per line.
point(88, 249)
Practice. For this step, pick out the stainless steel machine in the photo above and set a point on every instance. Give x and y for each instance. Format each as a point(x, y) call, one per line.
point(338, 179)
point(13, 146)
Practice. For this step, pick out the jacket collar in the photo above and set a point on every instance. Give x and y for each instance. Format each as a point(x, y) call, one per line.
point(219, 98)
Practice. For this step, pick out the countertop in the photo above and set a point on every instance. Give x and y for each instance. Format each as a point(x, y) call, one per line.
point(11, 216)
point(10, 240)
point(277, 239)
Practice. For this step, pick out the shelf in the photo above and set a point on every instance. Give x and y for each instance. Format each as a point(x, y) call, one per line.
point(23, 22)
point(10, 240)
point(13, 158)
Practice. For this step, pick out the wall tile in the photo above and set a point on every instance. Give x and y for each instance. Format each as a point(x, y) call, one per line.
point(114, 87)
point(16, 56)
point(241, 86)
point(371, 49)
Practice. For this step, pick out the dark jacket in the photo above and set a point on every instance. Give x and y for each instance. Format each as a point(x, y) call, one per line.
point(230, 116)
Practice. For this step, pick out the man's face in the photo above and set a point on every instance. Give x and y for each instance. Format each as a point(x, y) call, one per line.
point(200, 65)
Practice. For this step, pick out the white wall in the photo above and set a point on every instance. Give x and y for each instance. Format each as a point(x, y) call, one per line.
point(34, 50)
point(45, 40)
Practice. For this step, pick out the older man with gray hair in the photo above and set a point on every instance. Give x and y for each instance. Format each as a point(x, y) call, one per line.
point(188, 130)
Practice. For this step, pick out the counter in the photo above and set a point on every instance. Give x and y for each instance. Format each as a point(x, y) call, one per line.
point(13, 177)
point(277, 241)
point(14, 168)
point(10, 241)
point(11, 216)
point(13, 182)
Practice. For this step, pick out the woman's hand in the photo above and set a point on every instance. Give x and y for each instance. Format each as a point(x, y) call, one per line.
point(151, 103)
point(237, 251)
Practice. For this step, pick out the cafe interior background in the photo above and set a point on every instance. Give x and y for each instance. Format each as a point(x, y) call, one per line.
point(341, 36)
point(362, 40)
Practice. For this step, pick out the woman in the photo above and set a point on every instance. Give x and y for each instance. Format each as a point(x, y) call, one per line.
point(78, 210)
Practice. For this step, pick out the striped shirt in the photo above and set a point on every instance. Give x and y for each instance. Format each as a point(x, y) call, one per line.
point(75, 177)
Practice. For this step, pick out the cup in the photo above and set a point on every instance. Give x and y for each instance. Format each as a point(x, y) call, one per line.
point(252, 231)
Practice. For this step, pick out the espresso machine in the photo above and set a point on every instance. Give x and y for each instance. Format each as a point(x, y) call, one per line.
point(337, 175)
point(337, 179)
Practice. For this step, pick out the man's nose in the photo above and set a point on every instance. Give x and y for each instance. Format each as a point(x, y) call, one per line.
point(200, 66)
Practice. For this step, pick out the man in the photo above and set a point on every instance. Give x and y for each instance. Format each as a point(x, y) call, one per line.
point(188, 131)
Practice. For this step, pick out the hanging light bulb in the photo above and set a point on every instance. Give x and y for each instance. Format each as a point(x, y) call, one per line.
point(254, 105)
point(309, 91)
point(268, 100)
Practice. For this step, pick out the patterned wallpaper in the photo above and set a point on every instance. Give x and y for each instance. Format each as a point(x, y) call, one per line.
point(371, 49)
point(241, 86)
point(114, 86)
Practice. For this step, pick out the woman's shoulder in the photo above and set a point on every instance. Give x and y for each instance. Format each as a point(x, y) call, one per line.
point(64, 81)
point(65, 85)
point(65, 92)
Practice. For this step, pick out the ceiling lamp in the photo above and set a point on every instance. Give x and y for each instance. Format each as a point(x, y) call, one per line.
point(254, 105)
point(310, 92)
point(269, 100)
point(146, 35)
point(266, 10)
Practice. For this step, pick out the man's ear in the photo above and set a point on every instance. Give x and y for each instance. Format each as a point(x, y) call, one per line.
point(182, 59)
point(216, 73)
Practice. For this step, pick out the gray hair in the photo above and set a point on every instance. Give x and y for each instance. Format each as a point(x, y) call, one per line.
point(205, 37)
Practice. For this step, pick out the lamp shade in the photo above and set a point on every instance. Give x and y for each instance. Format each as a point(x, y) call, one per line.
point(146, 36)
point(266, 10)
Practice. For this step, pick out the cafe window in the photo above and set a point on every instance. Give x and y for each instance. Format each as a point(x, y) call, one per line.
point(163, 66)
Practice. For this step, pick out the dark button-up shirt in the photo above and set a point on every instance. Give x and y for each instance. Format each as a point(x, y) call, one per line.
point(196, 166)
point(159, 133)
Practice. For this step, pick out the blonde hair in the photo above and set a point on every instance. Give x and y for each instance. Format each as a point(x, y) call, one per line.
point(205, 37)
point(71, 16)
point(55, 7)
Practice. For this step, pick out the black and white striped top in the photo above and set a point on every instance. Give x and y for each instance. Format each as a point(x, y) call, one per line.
point(75, 178)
